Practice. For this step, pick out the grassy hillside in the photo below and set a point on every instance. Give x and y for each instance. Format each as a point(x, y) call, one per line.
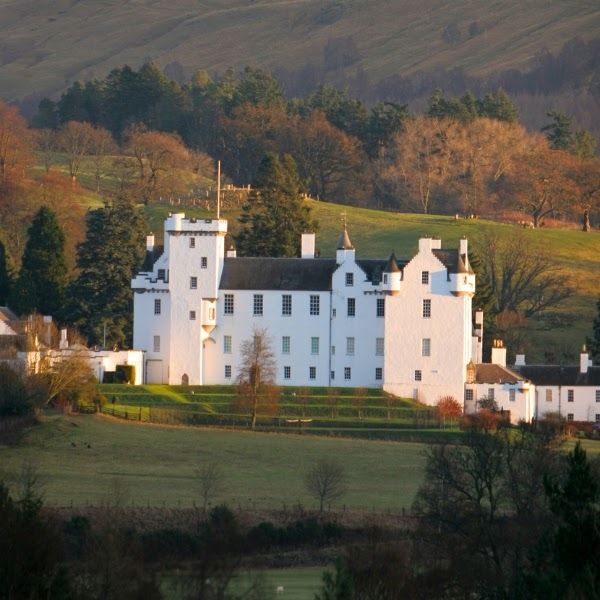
point(376, 233)
point(155, 465)
point(45, 46)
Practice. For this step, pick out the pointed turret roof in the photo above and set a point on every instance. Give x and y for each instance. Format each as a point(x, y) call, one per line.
point(462, 265)
point(392, 264)
point(344, 242)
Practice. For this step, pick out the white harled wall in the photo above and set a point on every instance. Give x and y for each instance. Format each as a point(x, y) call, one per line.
point(449, 328)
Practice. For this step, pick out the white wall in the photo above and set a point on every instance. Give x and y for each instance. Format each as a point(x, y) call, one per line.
point(449, 329)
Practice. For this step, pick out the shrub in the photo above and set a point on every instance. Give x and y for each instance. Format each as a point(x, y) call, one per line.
point(125, 374)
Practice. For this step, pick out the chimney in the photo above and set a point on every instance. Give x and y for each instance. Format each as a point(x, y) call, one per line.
point(47, 320)
point(463, 245)
point(584, 360)
point(498, 353)
point(520, 360)
point(150, 242)
point(232, 252)
point(308, 245)
point(64, 343)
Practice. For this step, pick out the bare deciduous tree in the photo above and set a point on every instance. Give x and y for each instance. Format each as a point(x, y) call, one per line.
point(210, 483)
point(256, 389)
point(74, 139)
point(325, 481)
point(522, 276)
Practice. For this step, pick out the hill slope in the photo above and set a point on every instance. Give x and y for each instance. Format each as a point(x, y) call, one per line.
point(44, 46)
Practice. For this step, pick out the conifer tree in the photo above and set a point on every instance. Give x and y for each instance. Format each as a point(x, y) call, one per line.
point(5, 276)
point(593, 343)
point(110, 255)
point(43, 278)
point(275, 216)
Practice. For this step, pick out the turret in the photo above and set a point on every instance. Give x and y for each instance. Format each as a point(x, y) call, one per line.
point(344, 249)
point(463, 280)
point(392, 276)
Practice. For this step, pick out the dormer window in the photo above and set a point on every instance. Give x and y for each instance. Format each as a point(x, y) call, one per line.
point(161, 274)
point(385, 278)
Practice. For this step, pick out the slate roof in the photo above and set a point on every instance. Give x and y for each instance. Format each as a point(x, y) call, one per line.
point(294, 274)
point(557, 375)
point(373, 268)
point(490, 373)
point(150, 258)
point(452, 261)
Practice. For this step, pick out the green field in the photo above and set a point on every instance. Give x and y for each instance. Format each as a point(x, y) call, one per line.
point(152, 465)
point(46, 47)
point(299, 583)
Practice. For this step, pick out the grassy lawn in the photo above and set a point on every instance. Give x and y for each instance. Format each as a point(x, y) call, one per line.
point(155, 465)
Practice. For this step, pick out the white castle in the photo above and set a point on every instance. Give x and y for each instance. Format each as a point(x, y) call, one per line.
point(404, 325)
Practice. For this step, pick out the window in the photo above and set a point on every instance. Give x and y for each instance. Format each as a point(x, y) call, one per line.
point(418, 375)
point(332, 350)
point(379, 346)
point(156, 345)
point(314, 345)
point(211, 314)
point(193, 283)
point(312, 372)
point(491, 394)
point(426, 347)
point(570, 417)
point(380, 307)
point(157, 307)
point(350, 346)
point(597, 418)
point(227, 371)
point(349, 279)
point(424, 277)
point(286, 304)
point(548, 395)
point(347, 373)
point(203, 262)
point(332, 375)
point(314, 305)
point(570, 395)
point(161, 274)
point(226, 344)
point(334, 312)
point(597, 395)
point(511, 395)
point(427, 308)
point(385, 278)
point(258, 305)
point(378, 374)
point(351, 307)
point(468, 395)
point(287, 372)
point(228, 304)
point(192, 315)
point(285, 344)
point(192, 242)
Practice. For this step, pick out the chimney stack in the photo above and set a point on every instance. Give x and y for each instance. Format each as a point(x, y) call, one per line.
point(584, 360)
point(520, 360)
point(498, 353)
point(150, 242)
point(308, 245)
point(232, 252)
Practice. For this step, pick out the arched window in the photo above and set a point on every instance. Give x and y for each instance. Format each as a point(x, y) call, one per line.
point(185, 380)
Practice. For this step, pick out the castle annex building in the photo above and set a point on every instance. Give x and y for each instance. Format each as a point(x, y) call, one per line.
point(404, 325)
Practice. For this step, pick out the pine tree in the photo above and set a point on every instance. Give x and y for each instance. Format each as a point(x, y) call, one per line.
point(107, 259)
point(275, 216)
point(43, 277)
point(593, 343)
point(5, 276)
point(559, 132)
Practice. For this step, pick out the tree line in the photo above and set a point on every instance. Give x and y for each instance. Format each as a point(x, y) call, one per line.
point(465, 154)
